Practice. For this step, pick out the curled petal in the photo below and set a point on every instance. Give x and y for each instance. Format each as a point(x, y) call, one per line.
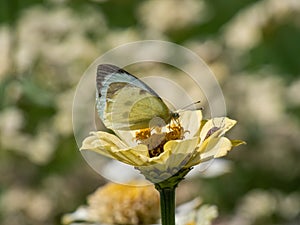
point(111, 146)
point(216, 127)
point(103, 140)
point(215, 148)
point(236, 143)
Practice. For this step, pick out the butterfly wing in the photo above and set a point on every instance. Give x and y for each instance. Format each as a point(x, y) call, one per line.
point(126, 103)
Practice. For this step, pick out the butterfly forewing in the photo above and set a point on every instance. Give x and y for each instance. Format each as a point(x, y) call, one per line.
point(126, 103)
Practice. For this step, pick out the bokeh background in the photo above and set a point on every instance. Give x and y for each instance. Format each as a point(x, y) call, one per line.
point(253, 48)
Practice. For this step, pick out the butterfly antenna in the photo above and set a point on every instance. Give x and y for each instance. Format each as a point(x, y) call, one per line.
point(192, 104)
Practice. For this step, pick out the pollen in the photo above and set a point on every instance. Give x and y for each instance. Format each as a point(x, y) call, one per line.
point(143, 134)
point(156, 138)
point(176, 132)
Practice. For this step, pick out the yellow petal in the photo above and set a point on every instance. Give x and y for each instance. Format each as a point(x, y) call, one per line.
point(175, 157)
point(104, 141)
point(237, 142)
point(135, 156)
point(127, 137)
point(176, 151)
point(181, 146)
point(221, 125)
point(111, 146)
point(215, 148)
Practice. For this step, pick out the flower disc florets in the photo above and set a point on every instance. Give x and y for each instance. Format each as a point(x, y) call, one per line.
point(155, 139)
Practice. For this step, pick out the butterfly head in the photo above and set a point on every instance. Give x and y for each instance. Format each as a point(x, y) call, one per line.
point(175, 115)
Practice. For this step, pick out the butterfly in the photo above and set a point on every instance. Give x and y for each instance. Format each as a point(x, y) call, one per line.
point(124, 102)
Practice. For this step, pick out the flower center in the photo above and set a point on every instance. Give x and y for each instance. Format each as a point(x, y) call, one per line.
point(155, 139)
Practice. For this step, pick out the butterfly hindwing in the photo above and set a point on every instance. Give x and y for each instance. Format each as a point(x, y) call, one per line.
point(126, 103)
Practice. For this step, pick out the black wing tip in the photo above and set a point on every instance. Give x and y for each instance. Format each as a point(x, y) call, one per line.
point(104, 70)
point(107, 65)
point(109, 68)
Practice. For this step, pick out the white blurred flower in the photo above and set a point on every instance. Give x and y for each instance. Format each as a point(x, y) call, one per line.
point(244, 31)
point(257, 97)
point(212, 168)
point(114, 38)
point(293, 93)
point(261, 204)
point(194, 213)
point(211, 52)
point(58, 36)
point(5, 46)
point(62, 121)
point(289, 205)
point(41, 147)
point(208, 50)
point(257, 204)
point(38, 148)
point(169, 15)
point(36, 205)
point(11, 121)
point(262, 99)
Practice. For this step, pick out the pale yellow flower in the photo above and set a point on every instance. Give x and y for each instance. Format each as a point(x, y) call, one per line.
point(133, 203)
point(161, 153)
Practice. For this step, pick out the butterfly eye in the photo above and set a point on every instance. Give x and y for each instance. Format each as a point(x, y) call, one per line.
point(175, 115)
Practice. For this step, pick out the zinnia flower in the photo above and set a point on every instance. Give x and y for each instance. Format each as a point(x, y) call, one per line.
point(159, 153)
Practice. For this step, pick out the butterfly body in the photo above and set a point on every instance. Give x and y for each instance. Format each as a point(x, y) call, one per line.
point(126, 103)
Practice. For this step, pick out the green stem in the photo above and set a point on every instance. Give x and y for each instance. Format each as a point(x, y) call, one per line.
point(167, 205)
point(166, 190)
